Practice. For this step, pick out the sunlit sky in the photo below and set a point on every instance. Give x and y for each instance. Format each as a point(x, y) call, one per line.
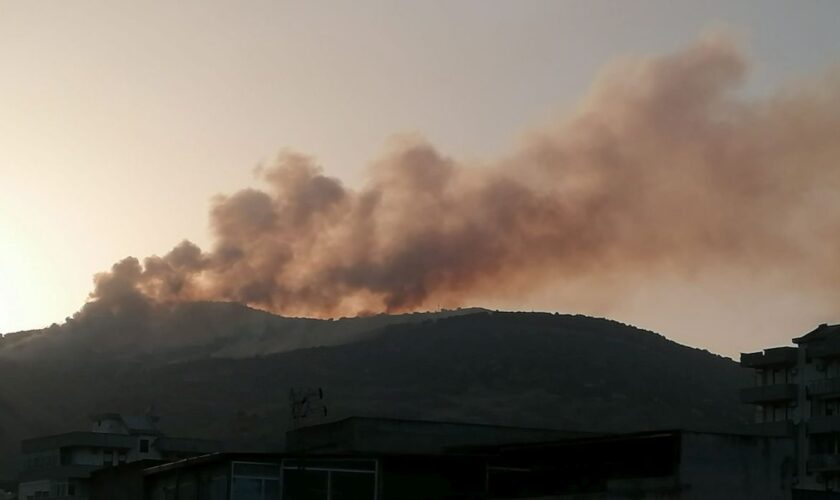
point(120, 119)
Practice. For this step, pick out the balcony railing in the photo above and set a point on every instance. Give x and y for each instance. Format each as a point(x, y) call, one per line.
point(776, 429)
point(769, 357)
point(768, 393)
point(825, 387)
point(86, 439)
point(824, 424)
point(824, 463)
point(829, 348)
point(60, 471)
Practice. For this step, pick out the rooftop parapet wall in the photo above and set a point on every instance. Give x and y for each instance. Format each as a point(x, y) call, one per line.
point(776, 356)
point(359, 434)
point(89, 439)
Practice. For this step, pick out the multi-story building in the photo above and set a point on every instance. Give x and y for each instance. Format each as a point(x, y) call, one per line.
point(797, 394)
point(59, 466)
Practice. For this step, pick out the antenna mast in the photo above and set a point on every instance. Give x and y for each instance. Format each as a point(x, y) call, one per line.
point(305, 403)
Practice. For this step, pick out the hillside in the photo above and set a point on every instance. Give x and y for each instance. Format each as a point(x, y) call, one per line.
point(193, 330)
point(509, 368)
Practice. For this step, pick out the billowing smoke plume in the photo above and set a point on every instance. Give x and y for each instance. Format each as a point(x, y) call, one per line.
point(663, 168)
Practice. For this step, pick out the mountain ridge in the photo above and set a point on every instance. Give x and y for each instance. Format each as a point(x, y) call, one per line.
point(506, 368)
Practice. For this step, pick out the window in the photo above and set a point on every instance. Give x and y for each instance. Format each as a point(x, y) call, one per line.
point(62, 489)
point(255, 481)
point(832, 407)
point(329, 479)
point(218, 488)
point(144, 446)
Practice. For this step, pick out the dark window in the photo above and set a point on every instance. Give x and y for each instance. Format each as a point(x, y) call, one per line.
point(350, 485)
point(255, 481)
point(832, 407)
point(144, 446)
point(256, 470)
point(343, 479)
point(305, 484)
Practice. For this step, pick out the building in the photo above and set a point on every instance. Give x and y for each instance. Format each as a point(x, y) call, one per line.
point(386, 459)
point(8, 489)
point(671, 464)
point(123, 482)
point(266, 476)
point(356, 458)
point(797, 394)
point(390, 435)
point(60, 466)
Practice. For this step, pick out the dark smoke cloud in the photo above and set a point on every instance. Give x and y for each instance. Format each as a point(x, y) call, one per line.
point(663, 168)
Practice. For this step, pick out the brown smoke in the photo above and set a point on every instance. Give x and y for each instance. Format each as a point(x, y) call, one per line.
point(663, 168)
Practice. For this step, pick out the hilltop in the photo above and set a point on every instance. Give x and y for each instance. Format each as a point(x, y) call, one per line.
point(224, 370)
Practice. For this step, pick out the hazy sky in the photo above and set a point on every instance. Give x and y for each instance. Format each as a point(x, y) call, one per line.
point(120, 120)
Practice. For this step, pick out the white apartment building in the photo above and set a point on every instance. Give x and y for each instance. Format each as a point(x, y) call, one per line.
point(797, 394)
point(59, 466)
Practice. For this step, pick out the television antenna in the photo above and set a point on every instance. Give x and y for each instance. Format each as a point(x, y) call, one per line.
point(305, 403)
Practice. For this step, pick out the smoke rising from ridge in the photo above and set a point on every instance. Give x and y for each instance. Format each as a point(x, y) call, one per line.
point(662, 168)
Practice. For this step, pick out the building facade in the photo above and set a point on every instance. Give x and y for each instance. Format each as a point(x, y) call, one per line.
point(267, 476)
point(657, 465)
point(386, 459)
point(796, 393)
point(59, 466)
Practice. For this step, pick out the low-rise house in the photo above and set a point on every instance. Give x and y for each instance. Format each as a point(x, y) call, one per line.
point(59, 466)
point(8, 489)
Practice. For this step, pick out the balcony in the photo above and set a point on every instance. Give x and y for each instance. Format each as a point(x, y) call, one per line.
point(824, 388)
point(60, 472)
point(824, 424)
point(769, 357)
point(84, 439)
point(829, 348)
point(824, 463)
point(768, 393)
point(782, 428)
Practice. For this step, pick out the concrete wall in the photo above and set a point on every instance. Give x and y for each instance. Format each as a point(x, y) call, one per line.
point(110, 456)
point(30, 488)
point(120, 483)
point(134, 454)
point(409, 436)
point(729, 466)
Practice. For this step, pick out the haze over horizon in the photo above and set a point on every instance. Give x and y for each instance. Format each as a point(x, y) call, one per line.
point(676, 179)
